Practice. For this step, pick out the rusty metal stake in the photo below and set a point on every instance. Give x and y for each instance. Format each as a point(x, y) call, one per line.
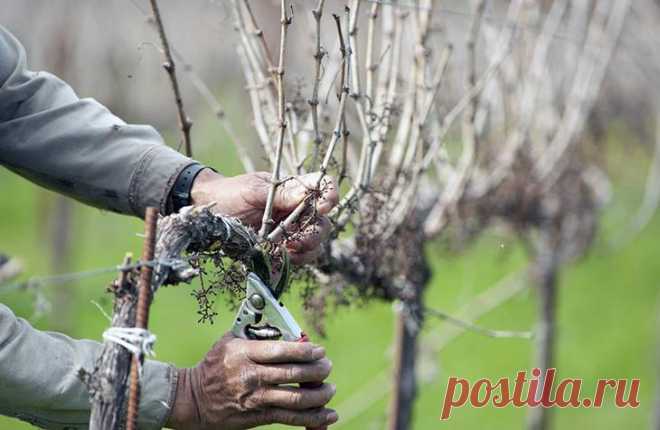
point(142, 317)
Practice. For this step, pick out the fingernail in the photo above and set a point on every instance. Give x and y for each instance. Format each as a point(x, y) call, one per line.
point(323, 206)
point(293, 247)
point(334, 389)
point(332, 417)
point(318, 353)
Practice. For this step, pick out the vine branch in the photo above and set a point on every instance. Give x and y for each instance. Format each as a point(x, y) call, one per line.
point(185, 124)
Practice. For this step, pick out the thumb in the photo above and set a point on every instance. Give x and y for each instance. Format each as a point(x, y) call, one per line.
point(292, 192)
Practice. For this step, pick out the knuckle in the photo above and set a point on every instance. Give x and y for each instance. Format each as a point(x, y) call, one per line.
point(317, 398)
point(245, 400)
point(273, 349)
point(226, 362)
point(257, 400)
point(271, 416)
point(301, 350)
point(258, 181)
point(261, 176)
point(307, 351)
point(251, 377)
point(292, 373)
point(237, 348)
point(278, 416)
point(294, 398)
point(285, 192)
point(244, 404)
point(263, 351)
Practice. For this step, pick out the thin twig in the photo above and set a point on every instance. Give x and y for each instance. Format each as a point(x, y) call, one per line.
point(651, 198)
point(314, 100)
point(259, 33)
point(263, 55)
point(259, 84)
point(503, 50)
point(451, 116)
point(356, 94)
point(370, 65)
point(255, 100)
point(468, 326)
point(470, 135)
point(604, 32)
point(345, 90)
point(211, 100)
point(404, 196)
point(532, 85)
point(278, 232)
point(185, 124)
point(267, 220)
point(385, 97)
point(567, 37)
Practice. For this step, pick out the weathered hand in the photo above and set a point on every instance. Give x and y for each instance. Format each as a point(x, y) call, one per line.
point(244, 197)
point(246, 383)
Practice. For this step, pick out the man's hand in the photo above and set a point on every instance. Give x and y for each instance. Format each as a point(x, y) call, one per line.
point(244, 197)
point(246, 383)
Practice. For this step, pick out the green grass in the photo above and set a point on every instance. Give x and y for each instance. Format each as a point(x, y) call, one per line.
point(607, 314)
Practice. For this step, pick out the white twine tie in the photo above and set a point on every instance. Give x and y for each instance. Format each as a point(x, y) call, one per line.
point(136, 340)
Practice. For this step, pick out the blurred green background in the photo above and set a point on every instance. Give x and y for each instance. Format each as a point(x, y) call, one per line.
point(607, 307)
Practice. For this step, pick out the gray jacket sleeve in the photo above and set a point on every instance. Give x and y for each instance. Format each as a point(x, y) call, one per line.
point(76, 146)
point(39, 378)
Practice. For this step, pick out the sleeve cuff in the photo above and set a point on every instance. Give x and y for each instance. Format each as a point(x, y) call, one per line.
point(154, 177)
point(157, 394)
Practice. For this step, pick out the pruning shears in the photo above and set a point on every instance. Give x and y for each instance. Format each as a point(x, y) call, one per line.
point(262, 316)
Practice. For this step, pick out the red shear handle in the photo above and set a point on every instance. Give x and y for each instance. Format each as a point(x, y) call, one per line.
point(304, 338)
